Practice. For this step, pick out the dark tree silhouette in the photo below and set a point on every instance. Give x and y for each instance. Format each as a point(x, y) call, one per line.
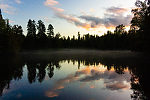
point(11, 38)
point(140, 23)
point(50, 31)
point(41, 36)
point(137, 38)
point(41, 30)
point(30, 40)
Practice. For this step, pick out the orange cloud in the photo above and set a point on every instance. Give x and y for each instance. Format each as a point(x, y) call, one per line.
point(113, 17)
point(73, 20)
point(59, 12)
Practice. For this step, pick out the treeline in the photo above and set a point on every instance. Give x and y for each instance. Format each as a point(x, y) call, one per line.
point(11, 37)
point(40, 37)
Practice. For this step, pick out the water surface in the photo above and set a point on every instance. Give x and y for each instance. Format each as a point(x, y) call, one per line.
point(70, 79)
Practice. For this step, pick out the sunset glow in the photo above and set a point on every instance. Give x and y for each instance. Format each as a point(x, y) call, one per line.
point(70, 17)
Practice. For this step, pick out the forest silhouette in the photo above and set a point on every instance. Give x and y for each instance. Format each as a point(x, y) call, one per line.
point(12, 39)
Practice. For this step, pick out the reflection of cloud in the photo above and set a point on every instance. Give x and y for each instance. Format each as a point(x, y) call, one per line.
point(19, 95)
point(51, 94)
point(117, 86)
point(60, 85)
point(112, 80)
point(92, 86)
point(85, 71)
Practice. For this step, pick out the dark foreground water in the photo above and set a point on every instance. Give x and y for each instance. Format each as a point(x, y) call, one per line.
point(73, 78)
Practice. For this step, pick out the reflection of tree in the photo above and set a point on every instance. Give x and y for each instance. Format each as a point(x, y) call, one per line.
point(138, 93)
point(56, 63)
point(139, 82)
point(4, 84)
point(119, 69)
point(41, 71)
point(38, 68)
point(10, 69)
point(31, 72)
point(50, 70)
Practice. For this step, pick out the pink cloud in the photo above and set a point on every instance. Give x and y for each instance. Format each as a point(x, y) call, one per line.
point(51, 94)
point(113, 17)
point(18, 1)
point(50, 3)
point(11, 21)
point(7, 8)
point(57, 9)
point(59, 12)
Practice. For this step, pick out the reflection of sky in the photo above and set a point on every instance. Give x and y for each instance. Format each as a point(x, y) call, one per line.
point(86, 83)
point(92, 78)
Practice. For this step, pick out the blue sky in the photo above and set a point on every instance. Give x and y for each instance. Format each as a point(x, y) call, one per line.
point(70, 16)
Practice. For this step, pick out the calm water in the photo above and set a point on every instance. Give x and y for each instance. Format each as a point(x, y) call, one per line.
point(72, 79)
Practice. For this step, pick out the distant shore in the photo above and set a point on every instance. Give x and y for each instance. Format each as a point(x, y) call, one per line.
point(84, 52)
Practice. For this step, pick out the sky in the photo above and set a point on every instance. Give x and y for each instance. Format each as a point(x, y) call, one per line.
point(70, 16)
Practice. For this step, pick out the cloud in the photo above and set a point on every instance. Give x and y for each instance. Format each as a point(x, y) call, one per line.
point(50, 3)
point(11, 21)
point(57, 10)
point(117, 10)
point(18, 1)
point(113, 17)
point(7, 8)
point(74, 20)
point(94, 21)
point(60, 13)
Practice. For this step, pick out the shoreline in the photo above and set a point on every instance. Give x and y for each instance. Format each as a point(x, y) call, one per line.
point(83, 52)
